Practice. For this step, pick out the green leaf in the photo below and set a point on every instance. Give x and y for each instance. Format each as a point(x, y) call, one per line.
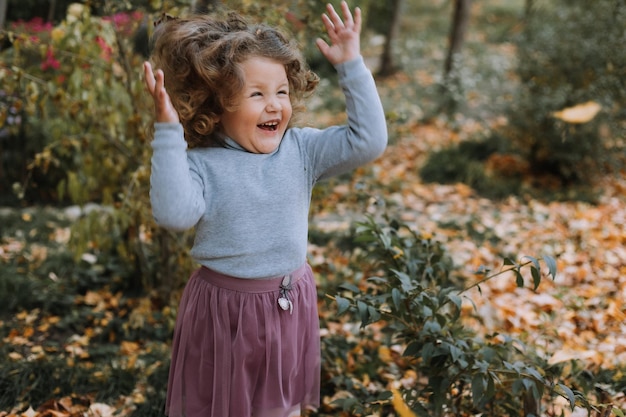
point(536, 277)
point(343, 304)
point(519, 280)
point(412, 349)
point(363, 313)
point(384, 395)
point(534, 261)
point(456, 300)
point(551, 262)
point(570, 395)
point(396, 296)
point(427, 352)
point(478, 388)
point(455, 353)
point(618, 412)
point(432, 327)
point(350, 287)
point(535, 374)
point(405, 280)
point(373, 314)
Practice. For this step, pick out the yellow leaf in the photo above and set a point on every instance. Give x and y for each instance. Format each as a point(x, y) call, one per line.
point(581, 113)
point(384, 353)
point(128, 348)
point(400, 406)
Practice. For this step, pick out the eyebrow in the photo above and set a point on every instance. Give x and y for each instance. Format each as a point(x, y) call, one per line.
point(263, 85)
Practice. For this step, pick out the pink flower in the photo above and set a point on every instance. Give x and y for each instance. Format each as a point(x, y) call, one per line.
point(35, 25)
point(107, 51)
point(124, 22)
point(50, 62)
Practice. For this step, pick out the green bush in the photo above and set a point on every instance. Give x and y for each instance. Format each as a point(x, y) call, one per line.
point(467, 163)
point(412, 292)
point(84, 112)
point(571, 53)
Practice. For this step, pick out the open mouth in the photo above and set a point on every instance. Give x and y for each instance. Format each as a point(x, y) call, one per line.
point(270, 126)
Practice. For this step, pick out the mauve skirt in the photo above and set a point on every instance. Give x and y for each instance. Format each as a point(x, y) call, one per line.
point(235, 350)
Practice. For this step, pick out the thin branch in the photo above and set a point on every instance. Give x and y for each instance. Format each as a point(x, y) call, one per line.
point(487, 278)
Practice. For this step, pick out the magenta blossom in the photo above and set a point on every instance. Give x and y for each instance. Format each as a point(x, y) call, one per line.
point(124, 22)
point(35, 25)
point(107, 51)
point(50, 62)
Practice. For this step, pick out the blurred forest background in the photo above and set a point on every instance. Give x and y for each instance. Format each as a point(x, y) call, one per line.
point(477, 268)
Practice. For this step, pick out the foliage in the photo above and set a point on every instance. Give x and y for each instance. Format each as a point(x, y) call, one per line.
point(567, 55)
point(412, 292)
point(564, 65)
point(467, 162)
point(83, 107)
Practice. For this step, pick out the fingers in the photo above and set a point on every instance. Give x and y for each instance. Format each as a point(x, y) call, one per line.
point(357, 20)
point(347, 15)
point(155, 82)
point(334, 23)
point(148, 77)
point(333, 16)
point(322, 46)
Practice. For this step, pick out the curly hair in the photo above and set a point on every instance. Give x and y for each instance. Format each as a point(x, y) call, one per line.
point(200, 56)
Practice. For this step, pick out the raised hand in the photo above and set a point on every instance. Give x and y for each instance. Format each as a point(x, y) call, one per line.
point(164, 110)
point(344, 34)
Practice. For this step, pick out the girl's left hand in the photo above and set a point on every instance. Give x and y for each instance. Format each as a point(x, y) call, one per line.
point(155, 84)
point(344, 34)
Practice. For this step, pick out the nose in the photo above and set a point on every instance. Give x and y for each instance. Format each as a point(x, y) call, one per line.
point(273, 104)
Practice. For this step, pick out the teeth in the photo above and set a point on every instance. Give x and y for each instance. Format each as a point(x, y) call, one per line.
point(269, 125)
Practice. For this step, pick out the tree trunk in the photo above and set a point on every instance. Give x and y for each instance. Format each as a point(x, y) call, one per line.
point(51, 10)
point(460, 22)
point(387, 65)
point(3, 12)
point(528, 8)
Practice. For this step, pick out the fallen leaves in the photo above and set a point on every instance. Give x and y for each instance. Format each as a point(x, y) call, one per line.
point(66, 407)
point(581, 314)
point(579, 114)
point(400, 406)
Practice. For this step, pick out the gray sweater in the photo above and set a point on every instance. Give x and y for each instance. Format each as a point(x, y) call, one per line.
point(251, 210)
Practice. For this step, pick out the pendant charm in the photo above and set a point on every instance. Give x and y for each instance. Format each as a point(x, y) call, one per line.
point(283, 301)
point(285, 304)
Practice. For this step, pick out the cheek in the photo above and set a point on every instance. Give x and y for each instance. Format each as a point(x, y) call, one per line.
point(288, 108)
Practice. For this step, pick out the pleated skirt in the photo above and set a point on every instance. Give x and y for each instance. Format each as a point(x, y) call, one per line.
point(236, 350)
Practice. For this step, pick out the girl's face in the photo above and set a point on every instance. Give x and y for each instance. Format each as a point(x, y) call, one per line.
point(263, 107)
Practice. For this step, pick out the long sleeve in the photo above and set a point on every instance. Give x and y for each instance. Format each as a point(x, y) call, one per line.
point(340, 149)
point(176, 196)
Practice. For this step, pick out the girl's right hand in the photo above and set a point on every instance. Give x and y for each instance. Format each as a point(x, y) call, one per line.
point(343, 33)
point(155, 84)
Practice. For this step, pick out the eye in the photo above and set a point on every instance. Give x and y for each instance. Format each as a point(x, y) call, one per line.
point(283, 92)
point(256, 94)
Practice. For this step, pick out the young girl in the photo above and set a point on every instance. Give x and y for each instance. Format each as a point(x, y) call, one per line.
point(246, 341)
